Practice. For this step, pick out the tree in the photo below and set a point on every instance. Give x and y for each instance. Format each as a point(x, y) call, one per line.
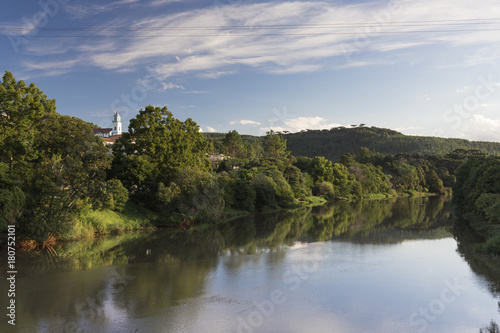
point(232, 143)
point(321, 169)
point(22, 109)
point(156, 147)
point(195, 194)
point(115, 195)
point(68, 174)
point(435, 184)
point(275, 146)
point(12, 198)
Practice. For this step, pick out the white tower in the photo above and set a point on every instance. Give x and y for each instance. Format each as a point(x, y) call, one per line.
point(117, 124)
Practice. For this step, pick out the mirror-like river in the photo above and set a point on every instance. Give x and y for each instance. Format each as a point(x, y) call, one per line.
point(370, 266)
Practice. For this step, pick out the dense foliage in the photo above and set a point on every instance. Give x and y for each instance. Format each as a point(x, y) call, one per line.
point(155, 148)
point(52, 167)
point(478, 188)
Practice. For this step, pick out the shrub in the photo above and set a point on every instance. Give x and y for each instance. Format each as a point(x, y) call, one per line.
point(116, 195)
point(194, 193)
point(324, 189)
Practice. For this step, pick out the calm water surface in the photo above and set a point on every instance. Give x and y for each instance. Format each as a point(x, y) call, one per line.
point(371, 266)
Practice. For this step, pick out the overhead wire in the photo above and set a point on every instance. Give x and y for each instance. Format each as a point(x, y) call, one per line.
point(462, 25)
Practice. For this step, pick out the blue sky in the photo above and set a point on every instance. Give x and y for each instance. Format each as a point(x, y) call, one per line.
point(418, 66)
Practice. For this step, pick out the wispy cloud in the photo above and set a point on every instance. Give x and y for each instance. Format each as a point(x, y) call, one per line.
point(301, 123)
point(157, 3)
point(82, 9)
point(171, 85)
point(222, 39)
point(464, 90)
point(244, 122)
point(195, 92)
point(482, 128)
point(211, 129)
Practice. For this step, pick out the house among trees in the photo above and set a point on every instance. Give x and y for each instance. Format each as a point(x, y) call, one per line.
point(216, 158)
point(103, 132)
point(109, 135)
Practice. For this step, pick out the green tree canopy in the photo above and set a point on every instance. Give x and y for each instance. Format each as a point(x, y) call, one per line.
point(22, 108)
point(156, 147)
point(233, 143)
point(68, 174)
point(275, 146)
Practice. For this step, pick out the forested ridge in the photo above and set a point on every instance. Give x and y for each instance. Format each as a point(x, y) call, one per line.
point(337, 141)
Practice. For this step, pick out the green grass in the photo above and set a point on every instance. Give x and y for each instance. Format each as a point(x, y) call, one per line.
point(108, 221)
point(377, 196)
point(313, 201)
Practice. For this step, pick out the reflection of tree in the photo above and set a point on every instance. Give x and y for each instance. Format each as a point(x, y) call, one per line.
point(482, 265)
point(383, 221)
point(171, 266)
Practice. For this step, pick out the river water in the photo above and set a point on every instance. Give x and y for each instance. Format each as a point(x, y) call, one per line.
point(370, 266)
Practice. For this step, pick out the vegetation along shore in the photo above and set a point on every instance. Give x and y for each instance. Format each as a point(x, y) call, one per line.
point(59, 181)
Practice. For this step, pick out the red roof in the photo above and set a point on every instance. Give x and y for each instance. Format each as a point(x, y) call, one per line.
point(102, 130)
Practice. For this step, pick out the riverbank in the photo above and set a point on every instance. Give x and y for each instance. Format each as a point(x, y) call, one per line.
point(96, 223)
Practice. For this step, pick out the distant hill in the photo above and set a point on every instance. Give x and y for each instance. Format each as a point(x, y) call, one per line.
point(335, 142)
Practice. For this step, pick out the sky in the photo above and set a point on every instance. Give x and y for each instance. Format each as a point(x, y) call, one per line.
point(422, 67)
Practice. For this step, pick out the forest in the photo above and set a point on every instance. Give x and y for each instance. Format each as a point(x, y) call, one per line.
point(59, 181)
point(337, 141)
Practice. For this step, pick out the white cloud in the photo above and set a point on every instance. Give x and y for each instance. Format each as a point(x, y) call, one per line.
point(214, 74)
point(482, 128)
point(244, 122)
point(211, 129)
point(488, 105)
point(300, 123)
point(221, 39)
point(170, 85)
point(196, 92)
point(156, 3)
point(464, 89)
point(80, 10)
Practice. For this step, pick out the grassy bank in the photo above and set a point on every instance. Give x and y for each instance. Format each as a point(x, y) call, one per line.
point(107, 221)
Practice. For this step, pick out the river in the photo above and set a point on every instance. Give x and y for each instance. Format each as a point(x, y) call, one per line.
point(394, 265)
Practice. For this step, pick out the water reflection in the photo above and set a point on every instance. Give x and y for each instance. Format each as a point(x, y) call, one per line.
point(162, 271)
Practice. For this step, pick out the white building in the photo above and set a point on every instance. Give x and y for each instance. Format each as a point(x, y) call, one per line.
point(109, 135)
point(117, 124)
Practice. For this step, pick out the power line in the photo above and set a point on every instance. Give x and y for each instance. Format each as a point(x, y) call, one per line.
point(279, 26)
point(339, 28)
point(252, 35)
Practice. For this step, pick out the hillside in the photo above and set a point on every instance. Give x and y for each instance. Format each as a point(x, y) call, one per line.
point(337, 141)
